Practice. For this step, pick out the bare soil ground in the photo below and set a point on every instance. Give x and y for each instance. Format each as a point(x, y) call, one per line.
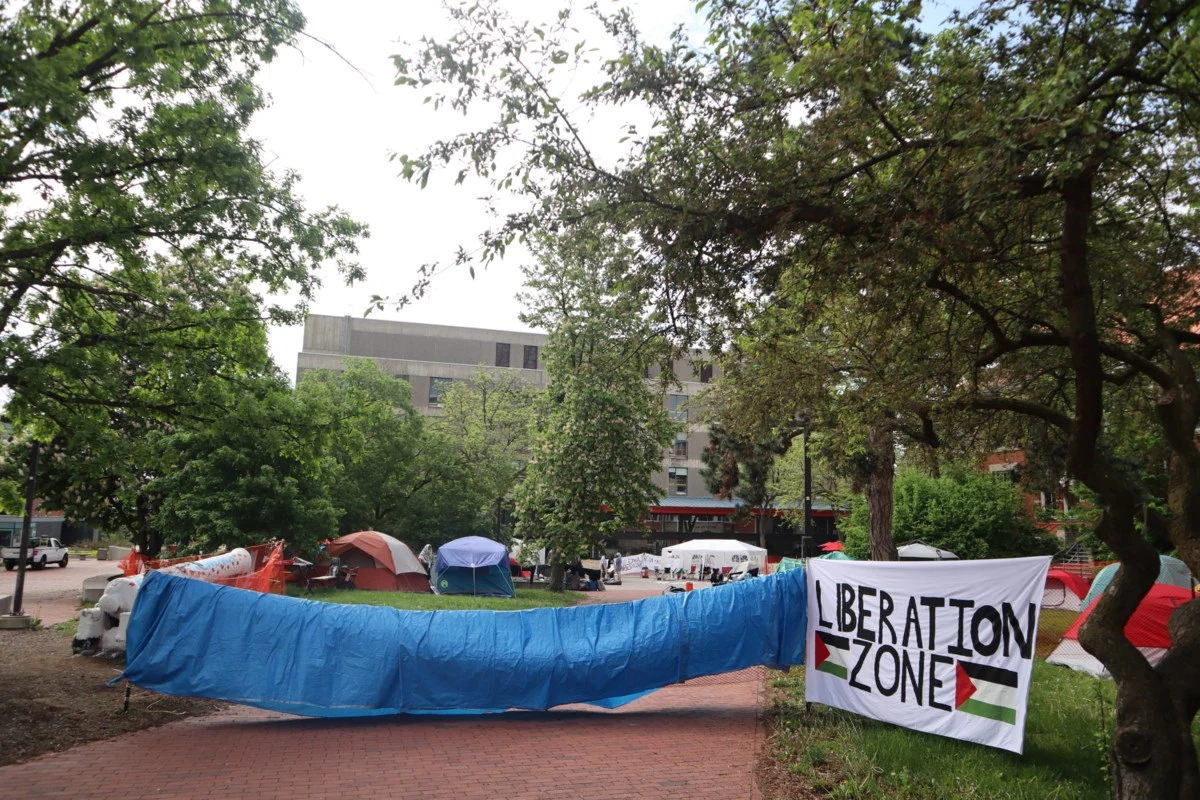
point(51, 700)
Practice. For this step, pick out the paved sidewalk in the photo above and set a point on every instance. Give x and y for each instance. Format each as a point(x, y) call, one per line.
point(695, 740)
point(52, 594)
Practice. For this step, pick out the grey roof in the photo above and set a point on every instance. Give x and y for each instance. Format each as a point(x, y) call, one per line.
point(707, 502)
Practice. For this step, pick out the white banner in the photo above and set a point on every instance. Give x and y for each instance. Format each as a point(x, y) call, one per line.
point(944, 647)
point(633, 564)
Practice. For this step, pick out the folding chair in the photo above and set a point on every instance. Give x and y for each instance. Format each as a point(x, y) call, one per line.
point(329, 581)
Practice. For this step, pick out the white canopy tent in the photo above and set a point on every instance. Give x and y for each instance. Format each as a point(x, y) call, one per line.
point(919, 551)
point(716, 553)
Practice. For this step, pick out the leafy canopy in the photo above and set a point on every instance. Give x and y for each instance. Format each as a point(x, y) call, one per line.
point(122, 140)
point(968, 513)
point(600, 428)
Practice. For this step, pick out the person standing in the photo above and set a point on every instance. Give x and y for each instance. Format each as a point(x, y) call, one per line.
point(603, 566)
point(617, 566)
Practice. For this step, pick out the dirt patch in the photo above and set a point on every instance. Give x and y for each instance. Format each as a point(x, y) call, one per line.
point(51, 700)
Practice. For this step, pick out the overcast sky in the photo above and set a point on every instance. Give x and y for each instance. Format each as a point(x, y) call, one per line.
point(336, 128)
point(335, 124)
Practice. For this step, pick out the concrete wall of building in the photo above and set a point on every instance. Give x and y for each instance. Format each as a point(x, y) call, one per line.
point(391, 339)
point(417, 353)
point(695, 368)
point(420, 353)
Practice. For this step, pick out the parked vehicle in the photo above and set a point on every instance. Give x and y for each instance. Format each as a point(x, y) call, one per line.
point(42, 551)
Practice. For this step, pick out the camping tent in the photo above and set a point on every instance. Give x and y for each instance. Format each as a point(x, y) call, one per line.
point(473, 565)
point(919, 551)
point(717, 553)
point(1146, 630)
point(382, 561)
point(1170, 570)
point(794, 563)
point(1064, 591)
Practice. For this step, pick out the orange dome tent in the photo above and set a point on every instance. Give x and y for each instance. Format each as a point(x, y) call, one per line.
point(383, 562)
point(1146, 630)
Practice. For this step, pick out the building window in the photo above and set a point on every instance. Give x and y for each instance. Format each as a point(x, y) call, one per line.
point(676, 406)
point(437, 388)
point(706, 373)
point(677, 480)
point(531, 354)
point(10, 533)
point(502, 351)
point(679, 450)
point(1011, 471)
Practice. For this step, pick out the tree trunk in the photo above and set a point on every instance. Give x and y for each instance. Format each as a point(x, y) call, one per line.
point(558, 573)
point(760, 528)
point(879, 493)
point(1153, 754)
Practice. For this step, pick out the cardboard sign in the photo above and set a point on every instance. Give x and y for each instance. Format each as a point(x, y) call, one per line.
point(944, 647)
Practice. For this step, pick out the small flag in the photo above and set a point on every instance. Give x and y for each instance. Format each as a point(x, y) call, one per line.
point(986, 692)
point(832, 654)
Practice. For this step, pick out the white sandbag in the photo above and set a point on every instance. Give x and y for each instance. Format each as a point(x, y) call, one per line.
point(119, 595)
point(91, 624)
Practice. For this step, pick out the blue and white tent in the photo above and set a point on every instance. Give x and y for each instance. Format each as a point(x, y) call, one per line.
point(473, 565)
point(1171, 571)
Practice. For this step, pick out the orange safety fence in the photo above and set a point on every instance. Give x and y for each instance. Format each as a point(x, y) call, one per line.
point(134, 563)
point(268, 575)
point(268, 578)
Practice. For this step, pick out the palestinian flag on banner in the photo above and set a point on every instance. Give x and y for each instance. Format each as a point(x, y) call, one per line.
point(832, 654)
point(987, 692)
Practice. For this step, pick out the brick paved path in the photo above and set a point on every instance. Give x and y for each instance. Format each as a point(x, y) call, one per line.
point(695, 740)
point(692, 741)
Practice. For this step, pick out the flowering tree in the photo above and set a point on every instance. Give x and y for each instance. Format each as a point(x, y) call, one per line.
point(599, 428)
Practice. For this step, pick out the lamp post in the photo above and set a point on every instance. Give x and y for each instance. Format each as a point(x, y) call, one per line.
point(804, 423)
point(808, 532)
point(18, 619)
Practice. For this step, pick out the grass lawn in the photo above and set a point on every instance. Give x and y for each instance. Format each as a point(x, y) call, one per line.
point(413, 601)
point(1051, 627)
point(841, 755)
point(847, 756)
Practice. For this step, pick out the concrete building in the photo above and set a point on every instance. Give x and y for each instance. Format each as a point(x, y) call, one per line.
point(430, 357)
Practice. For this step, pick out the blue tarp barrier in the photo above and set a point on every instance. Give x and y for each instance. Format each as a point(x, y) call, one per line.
point(319, 659)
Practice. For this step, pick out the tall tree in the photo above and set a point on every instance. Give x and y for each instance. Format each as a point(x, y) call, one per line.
point(1029, 169)
point(392, 471)
point(488, 421)
point(104, 461)
point(600, 429)
point(122, 138)
point(971, 514)
point(744, 467)
point(256, 472)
